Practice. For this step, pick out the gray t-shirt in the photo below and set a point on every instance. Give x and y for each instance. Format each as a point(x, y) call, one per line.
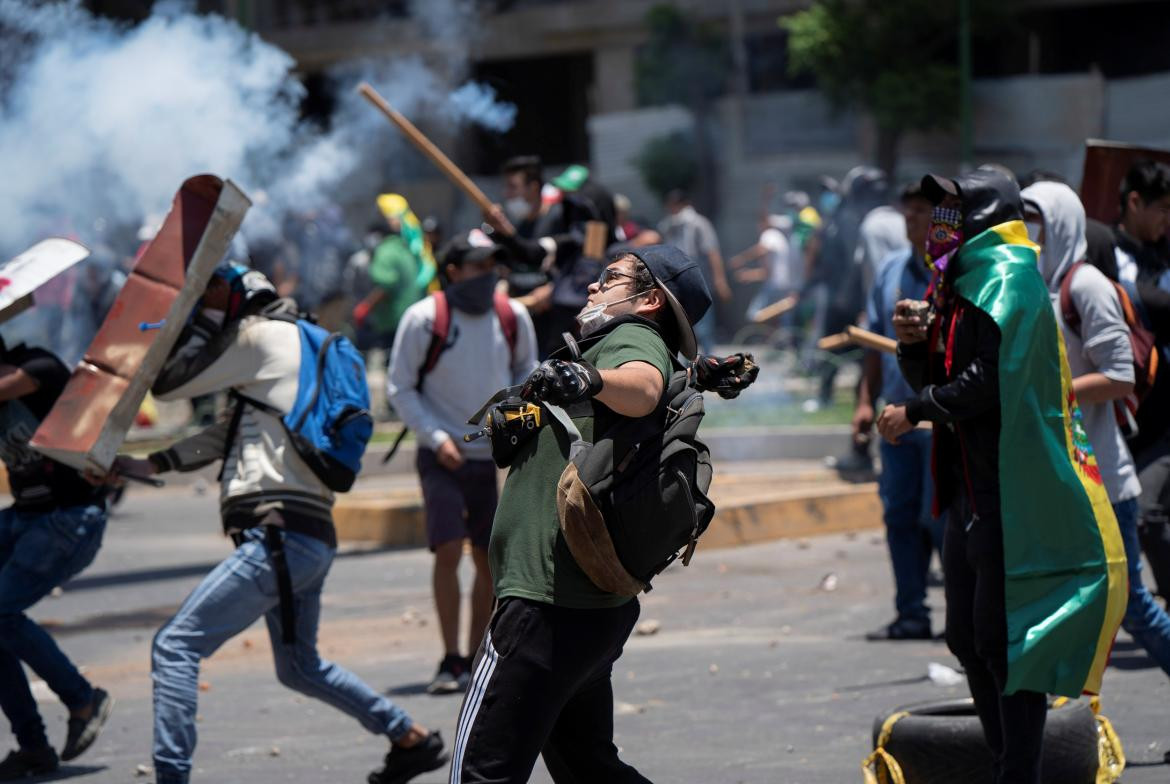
point(693, 235)
point(1104, 349)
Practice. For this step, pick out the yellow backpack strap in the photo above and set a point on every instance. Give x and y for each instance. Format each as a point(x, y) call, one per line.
point(880, 767)
point(1110, 754)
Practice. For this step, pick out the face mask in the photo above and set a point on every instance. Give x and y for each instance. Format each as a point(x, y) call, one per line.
point(594, 317)
point(517, 208)
point(473, 295)
point(944, 237)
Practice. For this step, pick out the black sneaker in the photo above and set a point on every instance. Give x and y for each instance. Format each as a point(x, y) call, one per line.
point(452, 677)
point(402, 765)
point(83, 732)
point(903, 629)
point(21, 764)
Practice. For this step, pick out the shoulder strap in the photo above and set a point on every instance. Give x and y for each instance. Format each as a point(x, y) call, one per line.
point(507, 318)
point(562, 419)
point(233, 430)
point(322, 357)
point(440, 328)
point(1068, 311)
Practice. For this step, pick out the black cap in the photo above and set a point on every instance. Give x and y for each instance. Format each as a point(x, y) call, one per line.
point(460, 250)
point(682, 281)
point(937, 188)
point(988, 196)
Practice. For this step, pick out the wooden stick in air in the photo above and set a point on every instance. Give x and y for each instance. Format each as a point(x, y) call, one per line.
point(594, 247)
point(867, 339)
point(833, 342)
point(427, 148)
point(777, 308)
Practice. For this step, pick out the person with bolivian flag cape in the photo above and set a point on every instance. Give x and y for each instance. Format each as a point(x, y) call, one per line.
point(1034, 566)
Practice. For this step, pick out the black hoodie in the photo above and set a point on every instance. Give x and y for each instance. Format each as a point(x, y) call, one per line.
point(963, 403)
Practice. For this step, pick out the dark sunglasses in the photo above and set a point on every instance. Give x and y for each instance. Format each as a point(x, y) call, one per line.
point(609, 275)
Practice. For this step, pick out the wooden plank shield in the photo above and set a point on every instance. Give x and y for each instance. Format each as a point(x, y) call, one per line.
point(1105, 166)
point(24, 274)
point(89, 422)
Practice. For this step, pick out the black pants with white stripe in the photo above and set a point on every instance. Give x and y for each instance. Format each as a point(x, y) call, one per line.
point(541, 685)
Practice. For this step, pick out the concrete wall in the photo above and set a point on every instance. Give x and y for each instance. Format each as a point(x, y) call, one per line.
point(615, 139)
point(1138, 110)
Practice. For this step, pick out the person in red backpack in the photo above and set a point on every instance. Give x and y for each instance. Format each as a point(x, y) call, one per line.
point(453, 350)
point(1090, 312)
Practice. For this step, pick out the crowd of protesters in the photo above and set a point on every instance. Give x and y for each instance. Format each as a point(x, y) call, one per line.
point(988, 290)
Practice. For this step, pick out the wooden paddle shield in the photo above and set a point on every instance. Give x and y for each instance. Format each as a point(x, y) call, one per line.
point(24, 274)
point(90, 420)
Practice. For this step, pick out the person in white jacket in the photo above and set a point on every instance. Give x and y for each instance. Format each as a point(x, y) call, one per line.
point(489, 344)
point(279, 515)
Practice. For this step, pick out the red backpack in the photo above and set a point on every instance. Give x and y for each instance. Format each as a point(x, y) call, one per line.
point(1145, 351)
point(440, 330)
point(442, 326)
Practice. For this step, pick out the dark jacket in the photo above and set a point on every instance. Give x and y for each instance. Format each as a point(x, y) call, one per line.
point(1153, 303)
point(963, 402)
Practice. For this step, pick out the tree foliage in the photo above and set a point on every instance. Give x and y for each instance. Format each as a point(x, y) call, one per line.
point(668, 162)
point(681, 62)
point(896, 59)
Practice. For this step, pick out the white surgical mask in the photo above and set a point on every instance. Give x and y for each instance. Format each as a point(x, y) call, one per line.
point(517, 208)
point(594, 317)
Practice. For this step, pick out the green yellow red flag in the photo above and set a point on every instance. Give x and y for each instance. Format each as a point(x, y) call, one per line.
point(1066, 580)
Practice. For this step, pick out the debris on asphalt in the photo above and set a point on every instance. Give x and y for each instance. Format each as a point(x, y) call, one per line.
point(829, 582)
point(647, 627)
point(942, 675)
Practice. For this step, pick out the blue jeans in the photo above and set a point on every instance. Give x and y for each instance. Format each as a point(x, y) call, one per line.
point(38, 552)
point(705, 329)
point(230, 598)
point(906, 490)
point(1145, 620)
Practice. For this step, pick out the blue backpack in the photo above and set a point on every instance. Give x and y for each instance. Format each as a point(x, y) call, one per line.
point(330, 423)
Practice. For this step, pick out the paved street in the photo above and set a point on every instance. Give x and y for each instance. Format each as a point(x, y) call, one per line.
point(758, 673)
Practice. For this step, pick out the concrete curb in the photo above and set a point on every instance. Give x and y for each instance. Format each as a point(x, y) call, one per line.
point(396, 519)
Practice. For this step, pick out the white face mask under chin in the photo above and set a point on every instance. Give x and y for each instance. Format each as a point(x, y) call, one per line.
point(594, 317)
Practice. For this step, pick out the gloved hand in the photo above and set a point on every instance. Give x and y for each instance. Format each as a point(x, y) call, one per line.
point(726, 376)
point(562, 383)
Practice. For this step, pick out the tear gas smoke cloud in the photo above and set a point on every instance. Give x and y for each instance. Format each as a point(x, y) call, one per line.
point(100, 121)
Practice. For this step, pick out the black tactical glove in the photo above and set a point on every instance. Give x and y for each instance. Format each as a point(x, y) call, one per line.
point(562, 383)
point(726, 376)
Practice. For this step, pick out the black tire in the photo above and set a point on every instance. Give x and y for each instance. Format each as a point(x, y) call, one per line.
point(942, 743)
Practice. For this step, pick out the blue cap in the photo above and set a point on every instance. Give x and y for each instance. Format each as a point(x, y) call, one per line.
point(682, 281)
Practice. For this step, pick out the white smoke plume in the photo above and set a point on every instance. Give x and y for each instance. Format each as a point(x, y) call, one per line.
point(101, 121)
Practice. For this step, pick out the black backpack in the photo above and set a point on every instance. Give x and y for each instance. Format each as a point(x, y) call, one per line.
point(633, 501)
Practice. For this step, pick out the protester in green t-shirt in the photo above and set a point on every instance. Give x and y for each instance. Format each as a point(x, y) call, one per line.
point(401, 270)
point(541, 680)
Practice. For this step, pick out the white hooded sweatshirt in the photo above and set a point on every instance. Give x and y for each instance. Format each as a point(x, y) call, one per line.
point(1101, 342)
